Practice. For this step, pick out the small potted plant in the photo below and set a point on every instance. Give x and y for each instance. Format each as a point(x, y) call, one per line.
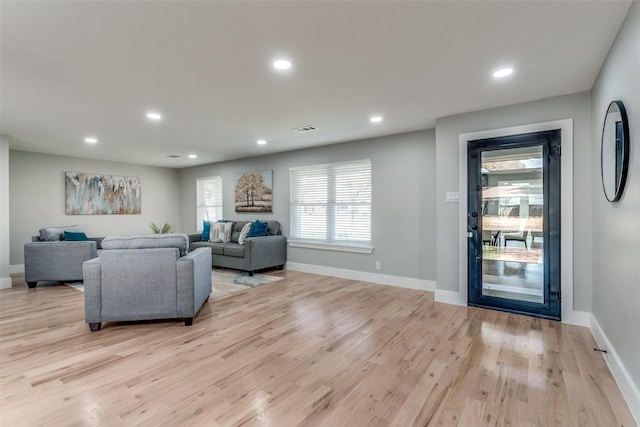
point(167, 228)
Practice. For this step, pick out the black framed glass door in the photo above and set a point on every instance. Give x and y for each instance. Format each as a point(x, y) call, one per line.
point(514, 223)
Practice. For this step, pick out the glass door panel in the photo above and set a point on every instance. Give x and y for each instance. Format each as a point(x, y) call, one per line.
point(512, 224)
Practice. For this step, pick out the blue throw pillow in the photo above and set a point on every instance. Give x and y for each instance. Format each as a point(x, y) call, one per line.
point(206, 227)
point(258, 229)
point(75, 237)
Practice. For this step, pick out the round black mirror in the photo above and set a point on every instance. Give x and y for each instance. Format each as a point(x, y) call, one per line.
point(614, 151)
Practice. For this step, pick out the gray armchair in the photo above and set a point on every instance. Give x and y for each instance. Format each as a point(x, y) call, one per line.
point(59, 261)
point(145, 284)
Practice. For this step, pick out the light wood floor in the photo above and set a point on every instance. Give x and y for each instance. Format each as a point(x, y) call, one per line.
point(305, 351)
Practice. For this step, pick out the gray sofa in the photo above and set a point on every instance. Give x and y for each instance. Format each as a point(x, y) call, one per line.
point(146, 277)
point(257, 253)
point(54, 259)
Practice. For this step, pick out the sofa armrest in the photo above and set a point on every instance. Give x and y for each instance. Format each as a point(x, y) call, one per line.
point(195, 237)
point(98, 241)
point(92, 278)
point(266, 251)
point(194, 281)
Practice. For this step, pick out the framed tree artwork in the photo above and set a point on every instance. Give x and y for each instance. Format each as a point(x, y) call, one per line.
point(254, 191)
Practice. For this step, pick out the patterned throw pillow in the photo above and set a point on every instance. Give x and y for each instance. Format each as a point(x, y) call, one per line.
point(244, 232)
point(221, 232)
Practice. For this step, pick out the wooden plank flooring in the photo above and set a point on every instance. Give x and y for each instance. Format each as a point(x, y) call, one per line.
point(305, 351)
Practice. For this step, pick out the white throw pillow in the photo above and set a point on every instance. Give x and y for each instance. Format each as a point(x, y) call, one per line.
point(244, 232)
point(220, 232)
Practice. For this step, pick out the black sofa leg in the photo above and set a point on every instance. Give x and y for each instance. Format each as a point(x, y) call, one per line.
point(251, 273)
point(95, 327)
point(32, 284)
point(188, 321)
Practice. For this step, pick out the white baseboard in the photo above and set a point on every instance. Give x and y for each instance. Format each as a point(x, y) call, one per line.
point(5, 283)
point(628, 388)
point(383, 279)
point(450, 297)
point(17, 268)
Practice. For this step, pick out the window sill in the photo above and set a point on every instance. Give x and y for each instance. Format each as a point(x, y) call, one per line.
point(340, 247)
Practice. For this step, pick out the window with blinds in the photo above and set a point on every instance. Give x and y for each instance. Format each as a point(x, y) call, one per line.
point(331, 203)
point(208, 200)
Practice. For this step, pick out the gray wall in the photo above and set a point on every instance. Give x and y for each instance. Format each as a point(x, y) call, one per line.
point(5, 279)
point(37, 197)
point(448, 129)
point(616, 231)
point(403, 226)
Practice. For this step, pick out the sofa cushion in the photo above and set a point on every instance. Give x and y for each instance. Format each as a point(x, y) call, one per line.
point(221, 232)
point(234, 249)
point(274, 228)
point(216, 248)
point(258, 229)
point(179, 241)
point(237, 229)
point(75, 237)
point(244, 233)
point(57, 233)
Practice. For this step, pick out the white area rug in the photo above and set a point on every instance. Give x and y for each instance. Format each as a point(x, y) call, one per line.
point(224, 282)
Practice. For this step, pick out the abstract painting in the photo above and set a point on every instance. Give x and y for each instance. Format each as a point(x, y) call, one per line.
point(91, 194)
point(254, 191)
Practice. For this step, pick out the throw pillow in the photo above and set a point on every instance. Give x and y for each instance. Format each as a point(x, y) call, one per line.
point(258, 229)
point(57, 233)
point(221, 232)
point(206, 229)
point(75, 237)
point(244, 232)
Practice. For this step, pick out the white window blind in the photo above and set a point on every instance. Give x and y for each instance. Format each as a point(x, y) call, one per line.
point(209, 200)
point(331, 203)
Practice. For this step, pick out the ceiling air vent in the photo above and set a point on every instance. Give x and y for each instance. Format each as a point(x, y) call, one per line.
point(172, 156)
point(305, 129)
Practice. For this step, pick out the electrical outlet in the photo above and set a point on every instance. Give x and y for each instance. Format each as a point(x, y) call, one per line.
point(378, 265)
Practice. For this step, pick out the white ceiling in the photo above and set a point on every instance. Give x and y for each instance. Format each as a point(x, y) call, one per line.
point(73, 69)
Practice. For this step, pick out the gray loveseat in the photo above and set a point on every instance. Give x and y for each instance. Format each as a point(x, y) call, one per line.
point(49, 258)
point(146, 277)
point(257, 253)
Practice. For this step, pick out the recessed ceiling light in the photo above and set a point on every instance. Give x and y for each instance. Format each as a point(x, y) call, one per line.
point(261, 142)
point(307, 128)
point(503, 72)
point(282, 64)
point(152, 115)
point(193, 156)
point(375, 119)
point(91, 140)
